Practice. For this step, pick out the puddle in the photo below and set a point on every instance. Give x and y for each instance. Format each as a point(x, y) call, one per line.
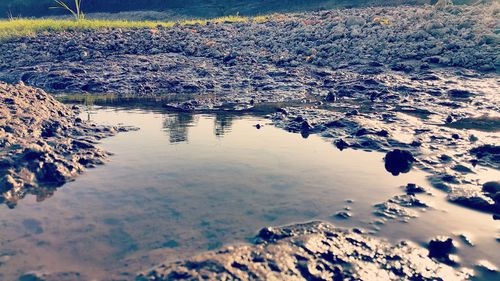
point(190, 183)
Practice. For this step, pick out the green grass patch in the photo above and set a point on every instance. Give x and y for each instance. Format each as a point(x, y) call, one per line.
point(29, 27)
point(87, 99)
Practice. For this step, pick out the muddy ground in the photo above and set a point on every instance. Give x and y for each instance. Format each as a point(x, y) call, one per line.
point(410, 78)
point(418, 83)
point(313, 251)
point(43, 143)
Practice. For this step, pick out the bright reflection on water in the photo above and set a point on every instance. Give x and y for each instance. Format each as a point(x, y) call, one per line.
point(187, 183)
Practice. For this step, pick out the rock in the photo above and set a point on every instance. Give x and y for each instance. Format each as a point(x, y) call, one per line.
point(382, 133)
point(331, 97)
point(441, 247)
point(398, 161)
point(412, 188)
point(462, 169)
point(341, 144)
point(460, 94)
point(491, 187)
point(343, 215)
point(305, 126)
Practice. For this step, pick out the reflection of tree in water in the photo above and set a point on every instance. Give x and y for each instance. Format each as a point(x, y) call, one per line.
point(222, 124)
point(177, 126)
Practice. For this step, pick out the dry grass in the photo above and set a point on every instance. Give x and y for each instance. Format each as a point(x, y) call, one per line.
point(28, 27)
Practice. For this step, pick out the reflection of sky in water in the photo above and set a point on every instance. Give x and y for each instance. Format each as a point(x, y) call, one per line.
point(221, 182)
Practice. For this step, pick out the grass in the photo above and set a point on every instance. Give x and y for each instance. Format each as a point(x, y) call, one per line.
point(19, 27)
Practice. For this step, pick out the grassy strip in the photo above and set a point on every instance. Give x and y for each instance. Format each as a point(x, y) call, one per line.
point(29, 27)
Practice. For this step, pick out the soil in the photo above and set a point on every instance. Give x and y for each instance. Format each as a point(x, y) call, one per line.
point(418, 83)
point(43, 144)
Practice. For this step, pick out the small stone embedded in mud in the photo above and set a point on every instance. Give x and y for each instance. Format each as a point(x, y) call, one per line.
point(491, 187)
point(331, 97)
point(343, 215)
point(441, 247)
point(412, 188)
point(341, 144)
point(398, 161)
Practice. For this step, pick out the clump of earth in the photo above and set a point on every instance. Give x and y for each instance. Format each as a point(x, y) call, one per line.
point(43, 143)
point(313, 251)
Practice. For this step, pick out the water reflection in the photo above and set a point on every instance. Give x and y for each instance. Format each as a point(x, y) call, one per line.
point(222, 124)
point(177, 125)
point(164, 202)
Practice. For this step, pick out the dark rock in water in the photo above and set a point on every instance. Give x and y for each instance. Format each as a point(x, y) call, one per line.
point(398, 161)
point(341, 144)
point(412, 188)
point(491, 187)
point(441, 247)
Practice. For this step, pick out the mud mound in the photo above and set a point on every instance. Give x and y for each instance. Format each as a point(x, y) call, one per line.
point(313, 251)
point(43, 143)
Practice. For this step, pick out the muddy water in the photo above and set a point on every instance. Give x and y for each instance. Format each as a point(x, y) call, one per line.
point(189, 183)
